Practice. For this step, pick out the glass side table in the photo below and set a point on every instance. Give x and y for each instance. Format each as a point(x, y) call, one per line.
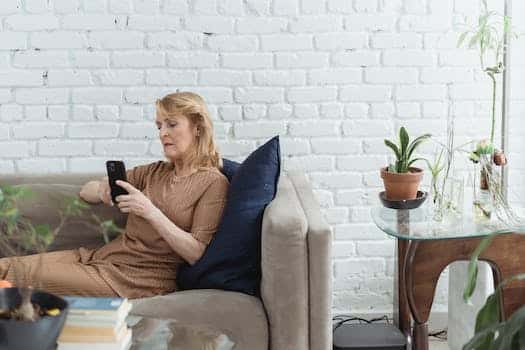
point(426, 247)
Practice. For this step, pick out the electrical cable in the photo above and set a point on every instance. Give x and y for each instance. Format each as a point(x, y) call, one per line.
point(342, 319)
point(442, 335)
point(339, 320)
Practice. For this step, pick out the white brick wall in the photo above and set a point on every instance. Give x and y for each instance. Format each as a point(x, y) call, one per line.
point(78, 79)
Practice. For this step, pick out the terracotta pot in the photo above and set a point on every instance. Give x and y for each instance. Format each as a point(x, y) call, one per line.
point(399, 186)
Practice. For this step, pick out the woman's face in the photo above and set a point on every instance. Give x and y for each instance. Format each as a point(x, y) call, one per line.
point(177, 135)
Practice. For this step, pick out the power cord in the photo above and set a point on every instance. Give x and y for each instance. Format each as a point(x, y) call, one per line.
point(442, 335)
point(339, 320)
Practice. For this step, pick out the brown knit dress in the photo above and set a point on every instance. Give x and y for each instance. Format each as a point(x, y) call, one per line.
point(139, 263)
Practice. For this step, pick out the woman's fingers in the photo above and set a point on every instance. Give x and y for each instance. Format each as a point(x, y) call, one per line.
point(127, 186)
point(124, 198)
point(124, 206)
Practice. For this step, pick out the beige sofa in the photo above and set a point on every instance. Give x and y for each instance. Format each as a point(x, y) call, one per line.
point(294, 312)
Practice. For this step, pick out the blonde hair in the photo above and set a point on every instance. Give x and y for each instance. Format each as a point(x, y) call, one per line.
point(193, 107)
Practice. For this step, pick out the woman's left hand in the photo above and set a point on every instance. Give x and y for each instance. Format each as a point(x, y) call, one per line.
point(135, 202)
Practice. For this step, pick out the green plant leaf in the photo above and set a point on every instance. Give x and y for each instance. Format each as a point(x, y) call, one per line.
point(110, 226)
point(44, 234)
point(521, 338)
point(74, 206)
point(487, 38)
point(478, 340)
point(437, 166)
point(415, 144)
point(413, 161)
point(11, 214)
point(487, 317)
point(462, 38)
point(431, 167)
point(392, 168)
point(394, 148)
point(42, 229)
point(474, 40)
point(17, 192)
point(8, 190)
point(473, 267)
point(510, 335)
point(403, 142)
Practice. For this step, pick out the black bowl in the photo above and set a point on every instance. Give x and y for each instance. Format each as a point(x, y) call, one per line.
point(25, 335)
point(405, 203)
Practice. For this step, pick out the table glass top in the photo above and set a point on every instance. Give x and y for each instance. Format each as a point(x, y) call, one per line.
point(417, 224)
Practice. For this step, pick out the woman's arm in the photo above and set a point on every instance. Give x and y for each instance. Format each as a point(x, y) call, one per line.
point(96, 191)
point(182, 242)
point(89, 192)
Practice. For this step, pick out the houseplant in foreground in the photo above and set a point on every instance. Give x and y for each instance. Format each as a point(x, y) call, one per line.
point(492, 332)
point(401, 179)
point(30, 318)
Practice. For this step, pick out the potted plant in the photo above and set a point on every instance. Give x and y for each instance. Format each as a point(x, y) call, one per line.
point(401, 179)
point(31, 318)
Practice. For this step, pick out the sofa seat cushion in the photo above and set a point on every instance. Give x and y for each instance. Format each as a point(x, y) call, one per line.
point(241, 317)
point(148, 333)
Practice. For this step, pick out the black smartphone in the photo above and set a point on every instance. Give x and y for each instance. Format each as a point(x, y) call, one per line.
point(116, 171)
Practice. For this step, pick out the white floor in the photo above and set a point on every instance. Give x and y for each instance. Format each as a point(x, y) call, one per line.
point(436, 344)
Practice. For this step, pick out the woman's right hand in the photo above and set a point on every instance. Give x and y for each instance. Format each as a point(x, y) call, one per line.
point(104, 191)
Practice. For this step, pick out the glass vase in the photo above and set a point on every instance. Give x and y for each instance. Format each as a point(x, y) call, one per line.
point(482, 199)
point(447, 198)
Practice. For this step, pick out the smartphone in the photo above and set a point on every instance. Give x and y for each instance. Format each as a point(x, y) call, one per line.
point(116, 171)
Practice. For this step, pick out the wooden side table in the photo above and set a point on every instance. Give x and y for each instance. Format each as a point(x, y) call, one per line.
point(425, 248)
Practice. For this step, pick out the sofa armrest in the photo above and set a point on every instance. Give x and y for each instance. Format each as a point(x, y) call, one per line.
point(284, 265)
point(320, 265)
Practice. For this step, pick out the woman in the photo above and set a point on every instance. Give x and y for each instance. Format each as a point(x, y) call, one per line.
point(174, 209)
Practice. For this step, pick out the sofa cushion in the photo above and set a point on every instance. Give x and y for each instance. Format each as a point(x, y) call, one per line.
point(232, 260)
point(241, 317)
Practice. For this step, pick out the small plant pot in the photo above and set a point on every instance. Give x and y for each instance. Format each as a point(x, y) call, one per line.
point(40, 334)
point(401, 186)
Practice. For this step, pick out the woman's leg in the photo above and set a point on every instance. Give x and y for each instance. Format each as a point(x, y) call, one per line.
point(57, 272)
point(10, 264)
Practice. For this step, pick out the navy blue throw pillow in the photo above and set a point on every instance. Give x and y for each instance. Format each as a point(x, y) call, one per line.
point(229, 168)
point(232, 261)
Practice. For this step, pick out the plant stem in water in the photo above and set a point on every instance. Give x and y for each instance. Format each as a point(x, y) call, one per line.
point(493, 121)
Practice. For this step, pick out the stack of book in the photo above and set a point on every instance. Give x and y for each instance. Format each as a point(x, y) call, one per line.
point(96, 324)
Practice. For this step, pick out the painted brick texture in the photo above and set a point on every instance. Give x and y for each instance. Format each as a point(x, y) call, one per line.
point(78, 80)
